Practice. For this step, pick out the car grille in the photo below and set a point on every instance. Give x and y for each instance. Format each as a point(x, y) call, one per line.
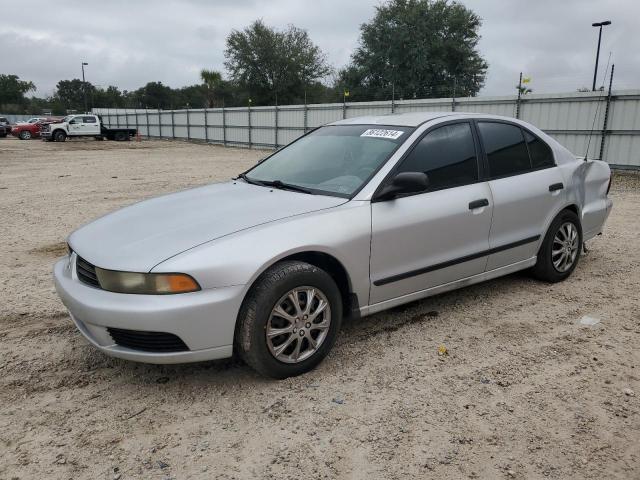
point(86, 272)
point(45, 128)
point(159, 342)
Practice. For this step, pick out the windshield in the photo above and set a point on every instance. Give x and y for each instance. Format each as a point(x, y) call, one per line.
point(67, 118)
point(337, 160)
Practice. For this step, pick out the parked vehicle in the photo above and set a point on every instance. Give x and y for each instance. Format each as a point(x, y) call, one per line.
point(27, 131)
point(84, 125)
point(33, 120)
point(351, 219)
point(6, 127)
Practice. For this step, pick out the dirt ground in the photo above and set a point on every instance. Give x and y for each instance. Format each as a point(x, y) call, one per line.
point(525, 391)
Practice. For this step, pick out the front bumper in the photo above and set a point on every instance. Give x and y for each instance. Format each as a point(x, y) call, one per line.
point(204, 320)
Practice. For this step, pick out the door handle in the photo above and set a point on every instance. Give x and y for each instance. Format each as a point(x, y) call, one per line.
point(483, 202)
point(556, 186)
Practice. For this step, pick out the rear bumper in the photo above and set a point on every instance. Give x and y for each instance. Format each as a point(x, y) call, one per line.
point(204, 320)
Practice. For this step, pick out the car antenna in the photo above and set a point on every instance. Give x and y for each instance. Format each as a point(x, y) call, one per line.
point(595, 116)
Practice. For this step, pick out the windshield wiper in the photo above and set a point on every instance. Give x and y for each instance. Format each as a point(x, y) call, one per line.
point(279, 184)
point(250, 180)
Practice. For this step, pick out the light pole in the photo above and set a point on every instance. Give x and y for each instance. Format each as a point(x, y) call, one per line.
point(84, 88)
point(598, 24)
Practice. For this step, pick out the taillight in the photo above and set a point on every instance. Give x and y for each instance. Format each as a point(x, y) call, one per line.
point(610, 181)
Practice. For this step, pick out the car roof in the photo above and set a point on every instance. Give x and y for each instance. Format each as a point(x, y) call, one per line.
point(415, 119)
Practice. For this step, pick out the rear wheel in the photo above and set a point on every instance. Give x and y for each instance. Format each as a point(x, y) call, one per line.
point(289, 320)
point(59, 136)
point(560, 250)
point(25, 135)
point(120, 137)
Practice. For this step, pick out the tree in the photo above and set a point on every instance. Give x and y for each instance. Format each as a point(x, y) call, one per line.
point(212, 81)
point(274, 66)
point(70, 93)
point(423, 48)
point(155, 95)
point(12, 92)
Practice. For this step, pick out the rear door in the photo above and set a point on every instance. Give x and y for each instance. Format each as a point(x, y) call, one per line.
point(439, 236)
point(527, 190)
point(90, 125)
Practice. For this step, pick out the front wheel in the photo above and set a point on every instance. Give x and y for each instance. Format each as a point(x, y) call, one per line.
point(289, 320)
point(59, 136)
point(560, 250)
point(25, 135)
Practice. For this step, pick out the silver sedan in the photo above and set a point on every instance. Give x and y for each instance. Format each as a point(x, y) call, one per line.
point(351, 219)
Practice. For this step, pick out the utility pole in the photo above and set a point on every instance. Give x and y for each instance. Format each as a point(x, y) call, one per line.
point(84, 88)
point(519, 94)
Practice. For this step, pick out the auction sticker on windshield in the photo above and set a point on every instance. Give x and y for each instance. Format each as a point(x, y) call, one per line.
point(382, 133)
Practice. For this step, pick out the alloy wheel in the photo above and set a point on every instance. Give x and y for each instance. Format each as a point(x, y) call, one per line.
point(298, 324)
point(565, 247)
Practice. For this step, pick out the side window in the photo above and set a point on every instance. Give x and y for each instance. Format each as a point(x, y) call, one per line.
point(76, 120)
point(89, 119)
point(505, 147)
point(540, 152)
point(447, 155)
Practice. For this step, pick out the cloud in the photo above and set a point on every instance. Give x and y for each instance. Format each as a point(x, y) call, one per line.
point(131, 43)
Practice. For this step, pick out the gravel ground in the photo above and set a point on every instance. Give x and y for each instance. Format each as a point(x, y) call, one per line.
point(525, 391)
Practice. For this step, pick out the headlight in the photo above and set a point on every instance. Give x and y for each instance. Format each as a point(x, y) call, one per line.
point(146, 283)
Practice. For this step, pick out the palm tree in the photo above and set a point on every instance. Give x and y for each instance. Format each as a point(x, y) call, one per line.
point(211, 80)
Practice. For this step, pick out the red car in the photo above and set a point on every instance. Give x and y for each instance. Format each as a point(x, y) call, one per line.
point(27, 131)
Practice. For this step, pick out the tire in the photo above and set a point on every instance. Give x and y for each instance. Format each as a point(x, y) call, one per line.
point(120, 137)
point(59, 136)
point(257, 317)
point(550, 267)
point(25, 135)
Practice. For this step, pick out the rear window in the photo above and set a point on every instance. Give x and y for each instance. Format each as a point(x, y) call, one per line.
point(4, 120)
point(89, 119)
point(505, 147)
point(540, 152)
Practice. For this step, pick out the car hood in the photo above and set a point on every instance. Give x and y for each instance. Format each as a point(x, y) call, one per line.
point(138, 237)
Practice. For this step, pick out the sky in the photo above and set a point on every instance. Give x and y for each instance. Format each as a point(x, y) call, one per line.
point(128, 43)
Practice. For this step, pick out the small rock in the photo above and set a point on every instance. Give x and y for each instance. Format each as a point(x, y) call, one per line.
point(511, 473)
point(117, 476)
point(339, 401)
point(162, 464)
point(589, 321)
point(628, 392)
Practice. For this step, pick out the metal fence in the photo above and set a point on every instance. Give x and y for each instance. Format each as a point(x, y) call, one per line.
point(568, 117)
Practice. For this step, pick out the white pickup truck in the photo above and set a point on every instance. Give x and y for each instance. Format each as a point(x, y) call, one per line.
point(84, 125)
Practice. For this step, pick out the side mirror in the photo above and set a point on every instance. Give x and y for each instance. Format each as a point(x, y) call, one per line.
point(73, 121)
point(402, 183)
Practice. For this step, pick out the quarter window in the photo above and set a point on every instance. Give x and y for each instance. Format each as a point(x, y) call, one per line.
point(541, 155)
point(505, 147)
point(447, 155)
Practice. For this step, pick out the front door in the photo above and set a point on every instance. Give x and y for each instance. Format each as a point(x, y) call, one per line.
point(441, 235)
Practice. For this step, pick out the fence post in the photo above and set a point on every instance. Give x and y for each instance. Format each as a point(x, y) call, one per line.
point(519, 94)
point(146, 113)
point(276, 127)
point(159, 123)
point(117, 119)
point(393, 97)
point(224, 126)
point(173, 124)
point(344, 106)
point(606, 114)
point(206, 126)
point(188, 126)
point(249, 121)
point(453, 97)
point(306, 113)
point(137, 127)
